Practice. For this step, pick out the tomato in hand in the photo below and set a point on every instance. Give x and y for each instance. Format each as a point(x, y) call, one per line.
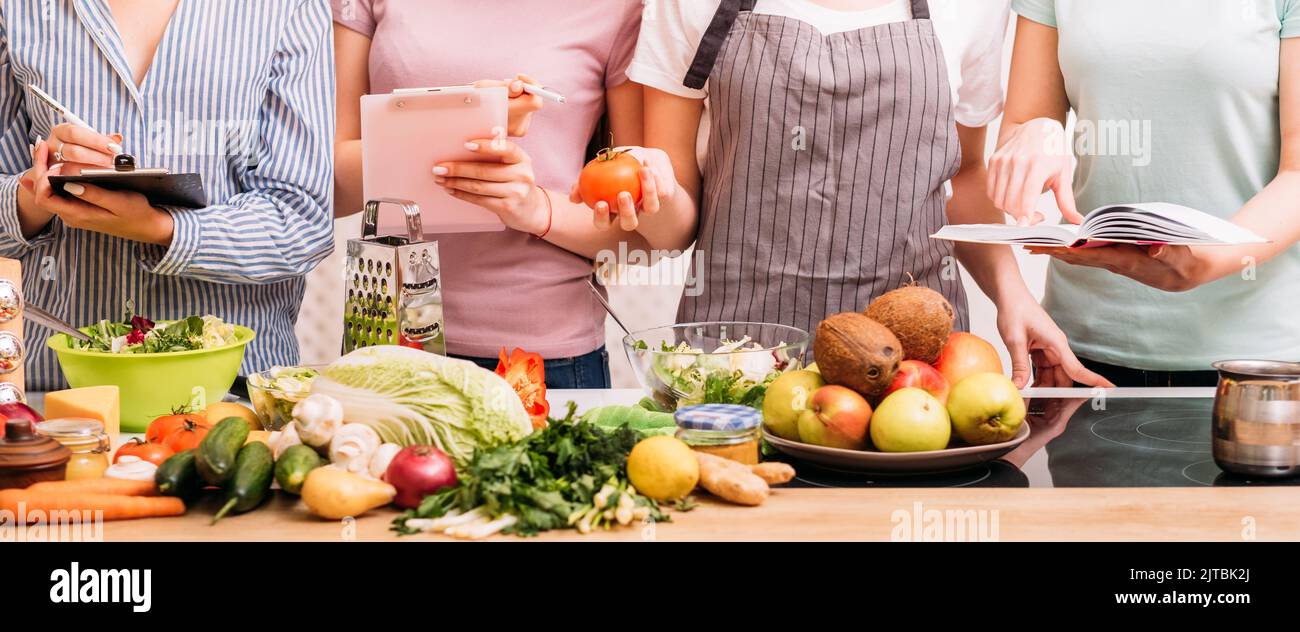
point(154, 453)
point(608, 174)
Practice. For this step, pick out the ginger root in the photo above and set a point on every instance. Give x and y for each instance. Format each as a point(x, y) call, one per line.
point(773, 472)
point(731, 481)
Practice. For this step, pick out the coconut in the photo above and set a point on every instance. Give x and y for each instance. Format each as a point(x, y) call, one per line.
point(857, 352)
point(920, 317)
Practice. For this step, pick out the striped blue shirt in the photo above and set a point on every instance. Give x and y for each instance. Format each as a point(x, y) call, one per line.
point(240, 92)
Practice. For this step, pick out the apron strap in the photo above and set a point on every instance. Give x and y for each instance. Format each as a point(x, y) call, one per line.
point(920, 10)
point(711, 44)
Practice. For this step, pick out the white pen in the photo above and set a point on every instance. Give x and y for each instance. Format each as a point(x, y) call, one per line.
point(68, 114)
point(543, 93)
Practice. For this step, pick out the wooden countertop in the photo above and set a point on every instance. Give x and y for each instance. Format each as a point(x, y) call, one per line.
point(1141, 514)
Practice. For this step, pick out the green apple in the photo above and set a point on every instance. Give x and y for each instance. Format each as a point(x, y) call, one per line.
point(787, 396)
point(837, 418)
point(910, 420)
point(986, 408)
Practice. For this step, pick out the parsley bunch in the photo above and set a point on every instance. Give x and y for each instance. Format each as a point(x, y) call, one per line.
point(561, 476)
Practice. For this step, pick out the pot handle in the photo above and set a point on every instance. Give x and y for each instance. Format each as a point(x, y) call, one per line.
point(370, 218)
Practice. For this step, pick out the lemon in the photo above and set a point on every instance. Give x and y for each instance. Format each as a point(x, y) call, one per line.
point(663, 468)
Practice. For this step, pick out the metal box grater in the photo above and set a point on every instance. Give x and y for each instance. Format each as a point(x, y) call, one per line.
point(394, 290)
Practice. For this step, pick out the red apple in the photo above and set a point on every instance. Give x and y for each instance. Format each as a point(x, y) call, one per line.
point(837, 417)
point(917, 374)
point(966, 354)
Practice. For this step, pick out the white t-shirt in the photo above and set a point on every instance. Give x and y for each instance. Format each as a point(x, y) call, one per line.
point(971, 32)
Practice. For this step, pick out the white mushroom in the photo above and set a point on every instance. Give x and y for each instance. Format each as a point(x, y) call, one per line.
point(382, 457)
point(317, 418)
point(353, 446)
point(282, 440)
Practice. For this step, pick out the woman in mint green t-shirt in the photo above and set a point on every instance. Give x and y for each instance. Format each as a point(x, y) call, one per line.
point(1194, 102)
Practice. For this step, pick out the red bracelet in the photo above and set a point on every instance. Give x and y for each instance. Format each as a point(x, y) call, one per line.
point(550, 212)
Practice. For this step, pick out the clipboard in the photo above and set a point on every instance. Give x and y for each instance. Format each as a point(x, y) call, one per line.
point(405, 133)
point(161, 187)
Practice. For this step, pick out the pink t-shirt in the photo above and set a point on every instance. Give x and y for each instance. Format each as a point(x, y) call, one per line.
point(508, 288)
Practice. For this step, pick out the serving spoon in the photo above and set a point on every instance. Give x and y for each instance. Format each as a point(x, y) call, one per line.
point(53, 322)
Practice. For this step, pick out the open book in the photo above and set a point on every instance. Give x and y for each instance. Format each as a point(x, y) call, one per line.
point(1149, 223)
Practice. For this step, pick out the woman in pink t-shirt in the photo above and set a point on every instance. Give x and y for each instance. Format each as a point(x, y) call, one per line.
point(525, 286)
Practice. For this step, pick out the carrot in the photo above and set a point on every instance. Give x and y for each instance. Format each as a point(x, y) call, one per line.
point(114, 507)
point(116, 486)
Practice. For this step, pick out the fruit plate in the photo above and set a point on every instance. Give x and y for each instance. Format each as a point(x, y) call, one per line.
point(871, 461)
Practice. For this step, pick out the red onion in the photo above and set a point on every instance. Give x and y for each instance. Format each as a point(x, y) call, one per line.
point(418, 471)
point(17, 410)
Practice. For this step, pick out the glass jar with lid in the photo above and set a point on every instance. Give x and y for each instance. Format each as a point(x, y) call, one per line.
point(86, 438)
point(730, 431)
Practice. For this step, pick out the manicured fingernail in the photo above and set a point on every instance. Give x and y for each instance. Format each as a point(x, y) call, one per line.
point(471, 146)
point(74, 189)
point(440, 171)
point(115, 148)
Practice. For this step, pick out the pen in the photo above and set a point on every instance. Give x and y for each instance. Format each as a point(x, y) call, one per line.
point(68, 115)
point(544, 93)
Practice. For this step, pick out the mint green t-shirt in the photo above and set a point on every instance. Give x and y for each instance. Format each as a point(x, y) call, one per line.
point(1177, 101)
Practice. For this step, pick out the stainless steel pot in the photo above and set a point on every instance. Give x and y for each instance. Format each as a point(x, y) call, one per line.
point(1257, 418)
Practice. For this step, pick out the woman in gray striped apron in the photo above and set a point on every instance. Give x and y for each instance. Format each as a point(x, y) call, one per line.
point(824, 174)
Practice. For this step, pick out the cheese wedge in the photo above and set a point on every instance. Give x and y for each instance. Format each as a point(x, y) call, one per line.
point(92, 402)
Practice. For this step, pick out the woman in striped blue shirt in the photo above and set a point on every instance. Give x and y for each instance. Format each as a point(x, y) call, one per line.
point(241, 93)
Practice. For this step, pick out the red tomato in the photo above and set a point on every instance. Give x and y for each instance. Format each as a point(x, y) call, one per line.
point(186, 437)
point(154, 453)
point(608, 174)
point(164, 426)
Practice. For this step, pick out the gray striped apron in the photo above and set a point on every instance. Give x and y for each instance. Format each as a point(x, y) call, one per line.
point(825, 168)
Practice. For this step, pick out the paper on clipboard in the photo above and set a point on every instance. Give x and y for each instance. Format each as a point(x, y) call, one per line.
point(406, 133)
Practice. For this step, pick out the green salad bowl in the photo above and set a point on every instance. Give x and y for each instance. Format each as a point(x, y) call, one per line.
point(153, 384)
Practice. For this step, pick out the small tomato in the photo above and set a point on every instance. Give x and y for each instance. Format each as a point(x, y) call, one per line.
point(154, 453)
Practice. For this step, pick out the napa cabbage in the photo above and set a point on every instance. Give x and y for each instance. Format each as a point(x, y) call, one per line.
point(412, 397)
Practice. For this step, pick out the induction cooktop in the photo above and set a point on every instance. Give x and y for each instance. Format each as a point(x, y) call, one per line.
point(1084, 442)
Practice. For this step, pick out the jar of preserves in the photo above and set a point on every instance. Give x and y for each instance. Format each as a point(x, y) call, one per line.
point(730, 431)
point(86, 439)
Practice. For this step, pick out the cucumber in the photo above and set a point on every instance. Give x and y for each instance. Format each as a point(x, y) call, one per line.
point(217, 451)
point(250, 481)
point(177, 476)
point(294, 465)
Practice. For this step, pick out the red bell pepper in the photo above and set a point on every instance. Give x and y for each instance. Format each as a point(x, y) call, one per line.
point(526, 373)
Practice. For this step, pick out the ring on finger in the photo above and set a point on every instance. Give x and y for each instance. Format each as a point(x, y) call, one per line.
point(58, 154)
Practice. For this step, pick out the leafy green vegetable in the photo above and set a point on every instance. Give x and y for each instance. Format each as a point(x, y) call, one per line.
point(646, 423)
point(135, 334)
point(558, 477)
point(411, 397)
point(735, 388)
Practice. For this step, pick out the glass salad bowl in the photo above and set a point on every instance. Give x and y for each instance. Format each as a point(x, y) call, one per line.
point(713, 362)
point(275, 391)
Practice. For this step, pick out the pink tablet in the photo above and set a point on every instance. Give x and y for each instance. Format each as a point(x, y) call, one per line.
point(404, 134)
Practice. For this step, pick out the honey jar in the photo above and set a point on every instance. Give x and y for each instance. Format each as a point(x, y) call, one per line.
point(86, 439)
point(730, 431)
